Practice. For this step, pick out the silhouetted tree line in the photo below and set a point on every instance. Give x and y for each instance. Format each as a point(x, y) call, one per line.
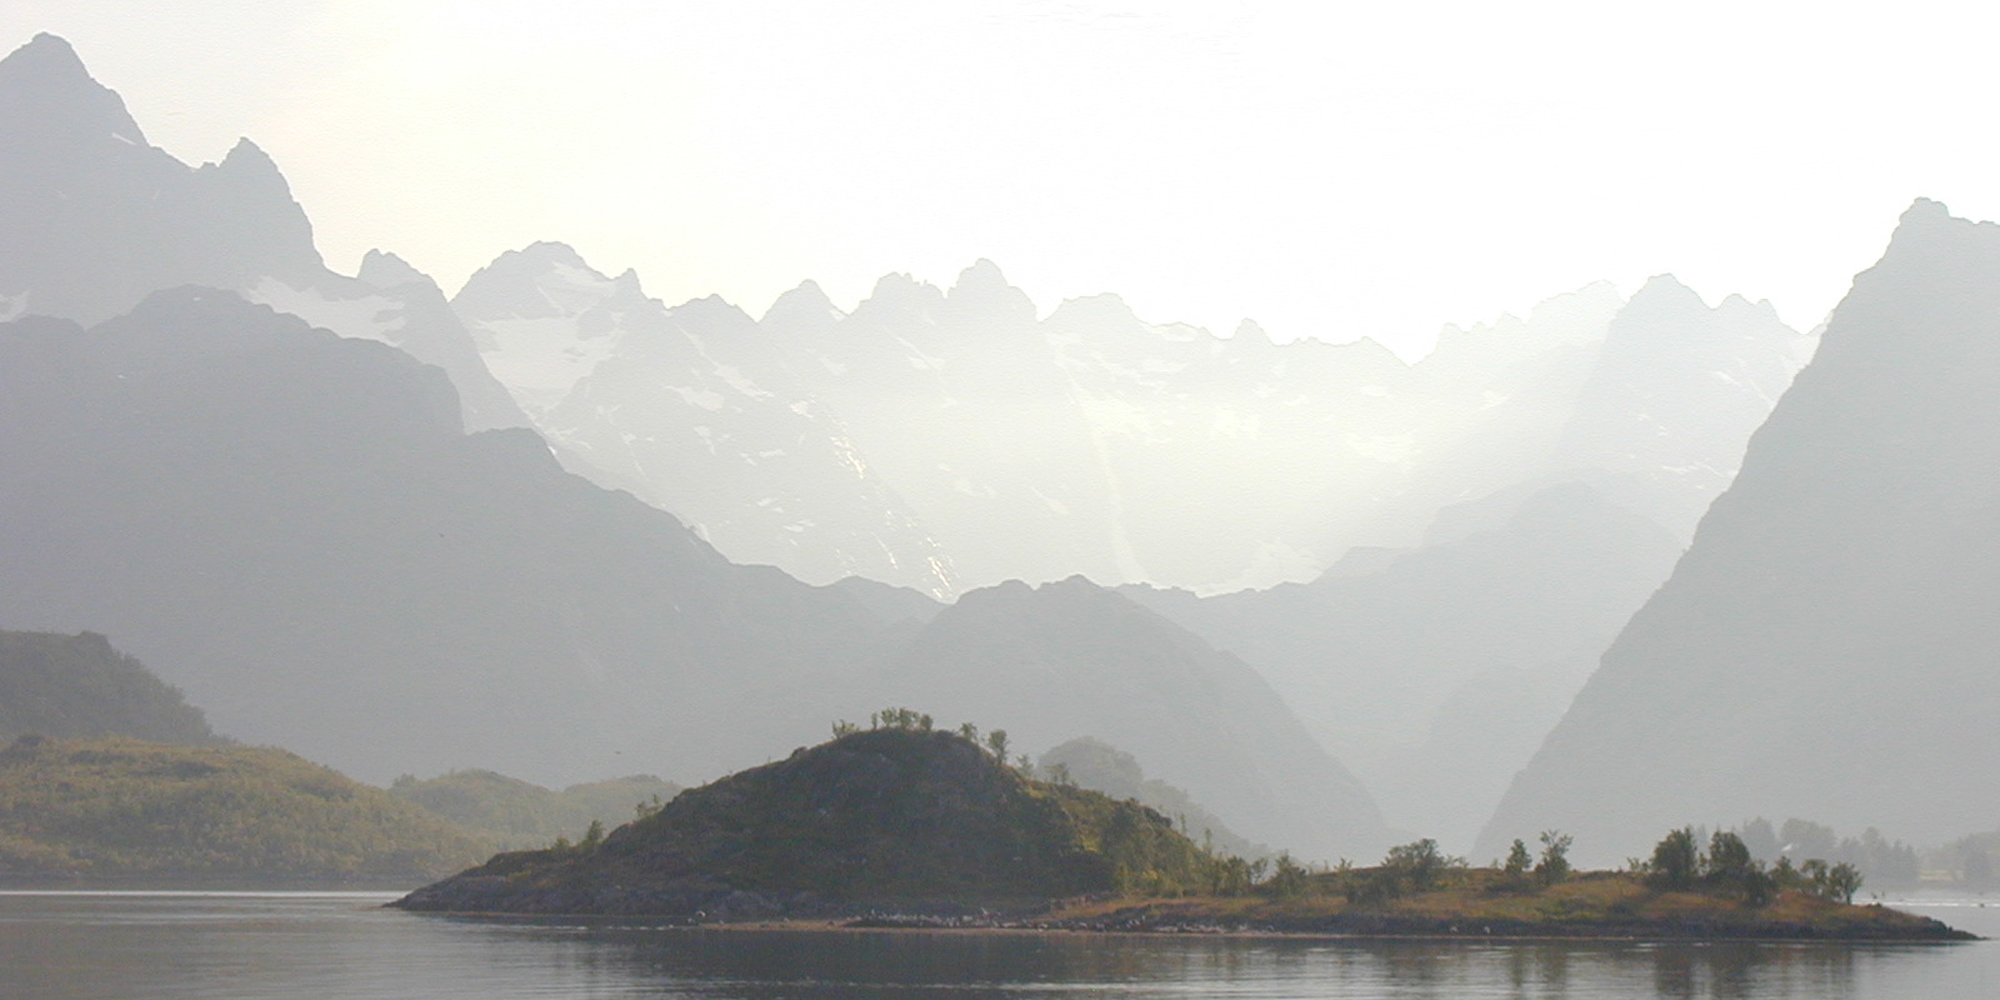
point(1678, 863)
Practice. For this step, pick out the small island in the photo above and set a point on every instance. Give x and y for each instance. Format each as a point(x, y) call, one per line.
point(904, 826)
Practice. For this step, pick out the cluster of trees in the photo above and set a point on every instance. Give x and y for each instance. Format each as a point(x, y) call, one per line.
point(911, 720)
point(1679, 863)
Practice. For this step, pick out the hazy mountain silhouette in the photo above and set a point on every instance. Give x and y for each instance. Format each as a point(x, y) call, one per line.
point(93, 219)
point(1094, 764)
point(77, 686)
point(935, 439)
point(1434, 670)
point(1825, 648)
point(292, 526)
point(1378, 655)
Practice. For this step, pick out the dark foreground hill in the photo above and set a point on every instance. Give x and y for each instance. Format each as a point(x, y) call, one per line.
point(889, 816)
point(123, 808)
point(78, 686)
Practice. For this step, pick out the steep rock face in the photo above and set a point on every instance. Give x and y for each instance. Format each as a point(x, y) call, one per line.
point(292, 527)
point(1070, 658)
point(1825, 648)
point(93, 219)
point(692, 410)
point(879, 817)
point(1677, 390)
point(78, 686)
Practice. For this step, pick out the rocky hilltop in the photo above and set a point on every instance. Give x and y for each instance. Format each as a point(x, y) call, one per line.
point(883, 816)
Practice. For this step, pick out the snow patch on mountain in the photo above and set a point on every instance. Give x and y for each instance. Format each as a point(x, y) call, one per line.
point(364, 316)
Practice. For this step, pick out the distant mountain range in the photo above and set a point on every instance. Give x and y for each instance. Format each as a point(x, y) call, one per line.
point(295, 527)
point(949, 439)
point(384, 526)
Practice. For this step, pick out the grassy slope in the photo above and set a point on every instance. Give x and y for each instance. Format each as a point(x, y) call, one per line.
point(125, 807)
point(1480, 902)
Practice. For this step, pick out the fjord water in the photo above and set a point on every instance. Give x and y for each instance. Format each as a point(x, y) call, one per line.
point(337, 946)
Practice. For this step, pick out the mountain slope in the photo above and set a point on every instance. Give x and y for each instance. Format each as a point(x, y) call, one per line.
point(292, 527)
point(78, 686)
point(1825, 648)
point(93, 219)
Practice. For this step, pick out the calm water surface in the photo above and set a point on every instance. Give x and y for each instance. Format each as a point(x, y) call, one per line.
point(337, 946)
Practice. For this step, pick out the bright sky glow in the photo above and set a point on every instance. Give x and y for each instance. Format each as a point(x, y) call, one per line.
point(1330, 170)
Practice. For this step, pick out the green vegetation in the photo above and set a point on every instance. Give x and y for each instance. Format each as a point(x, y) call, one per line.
point(511, 814)
point(77, 686)
point(1683, 892)
point(122, 807)
point(900, 812)
point(1728, 867)
point(1485, 902)
point(906, 824)
point(1098, 766)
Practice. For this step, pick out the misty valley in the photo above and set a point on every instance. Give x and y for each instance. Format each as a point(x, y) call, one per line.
point(735, 655)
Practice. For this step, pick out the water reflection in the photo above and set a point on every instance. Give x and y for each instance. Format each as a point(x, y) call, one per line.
point(165, 948)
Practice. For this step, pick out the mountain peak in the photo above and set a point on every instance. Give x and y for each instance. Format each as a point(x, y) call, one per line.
point(1251, 335)
point(1665, 285)
point(806, 302)
point(45, 91)
point(984, 288)
point(247, 155)
point(386, 270)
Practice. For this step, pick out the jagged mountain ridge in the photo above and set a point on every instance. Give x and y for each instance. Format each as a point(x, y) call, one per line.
point(93, 219)
point(1092, 442)
point(942, 439)
point(1825, 647)
point(689, 408)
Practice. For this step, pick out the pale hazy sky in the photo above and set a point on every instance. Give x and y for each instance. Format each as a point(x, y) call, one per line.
point(1328, 169)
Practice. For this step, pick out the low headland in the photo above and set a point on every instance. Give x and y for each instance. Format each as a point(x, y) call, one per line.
point(903, 826)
